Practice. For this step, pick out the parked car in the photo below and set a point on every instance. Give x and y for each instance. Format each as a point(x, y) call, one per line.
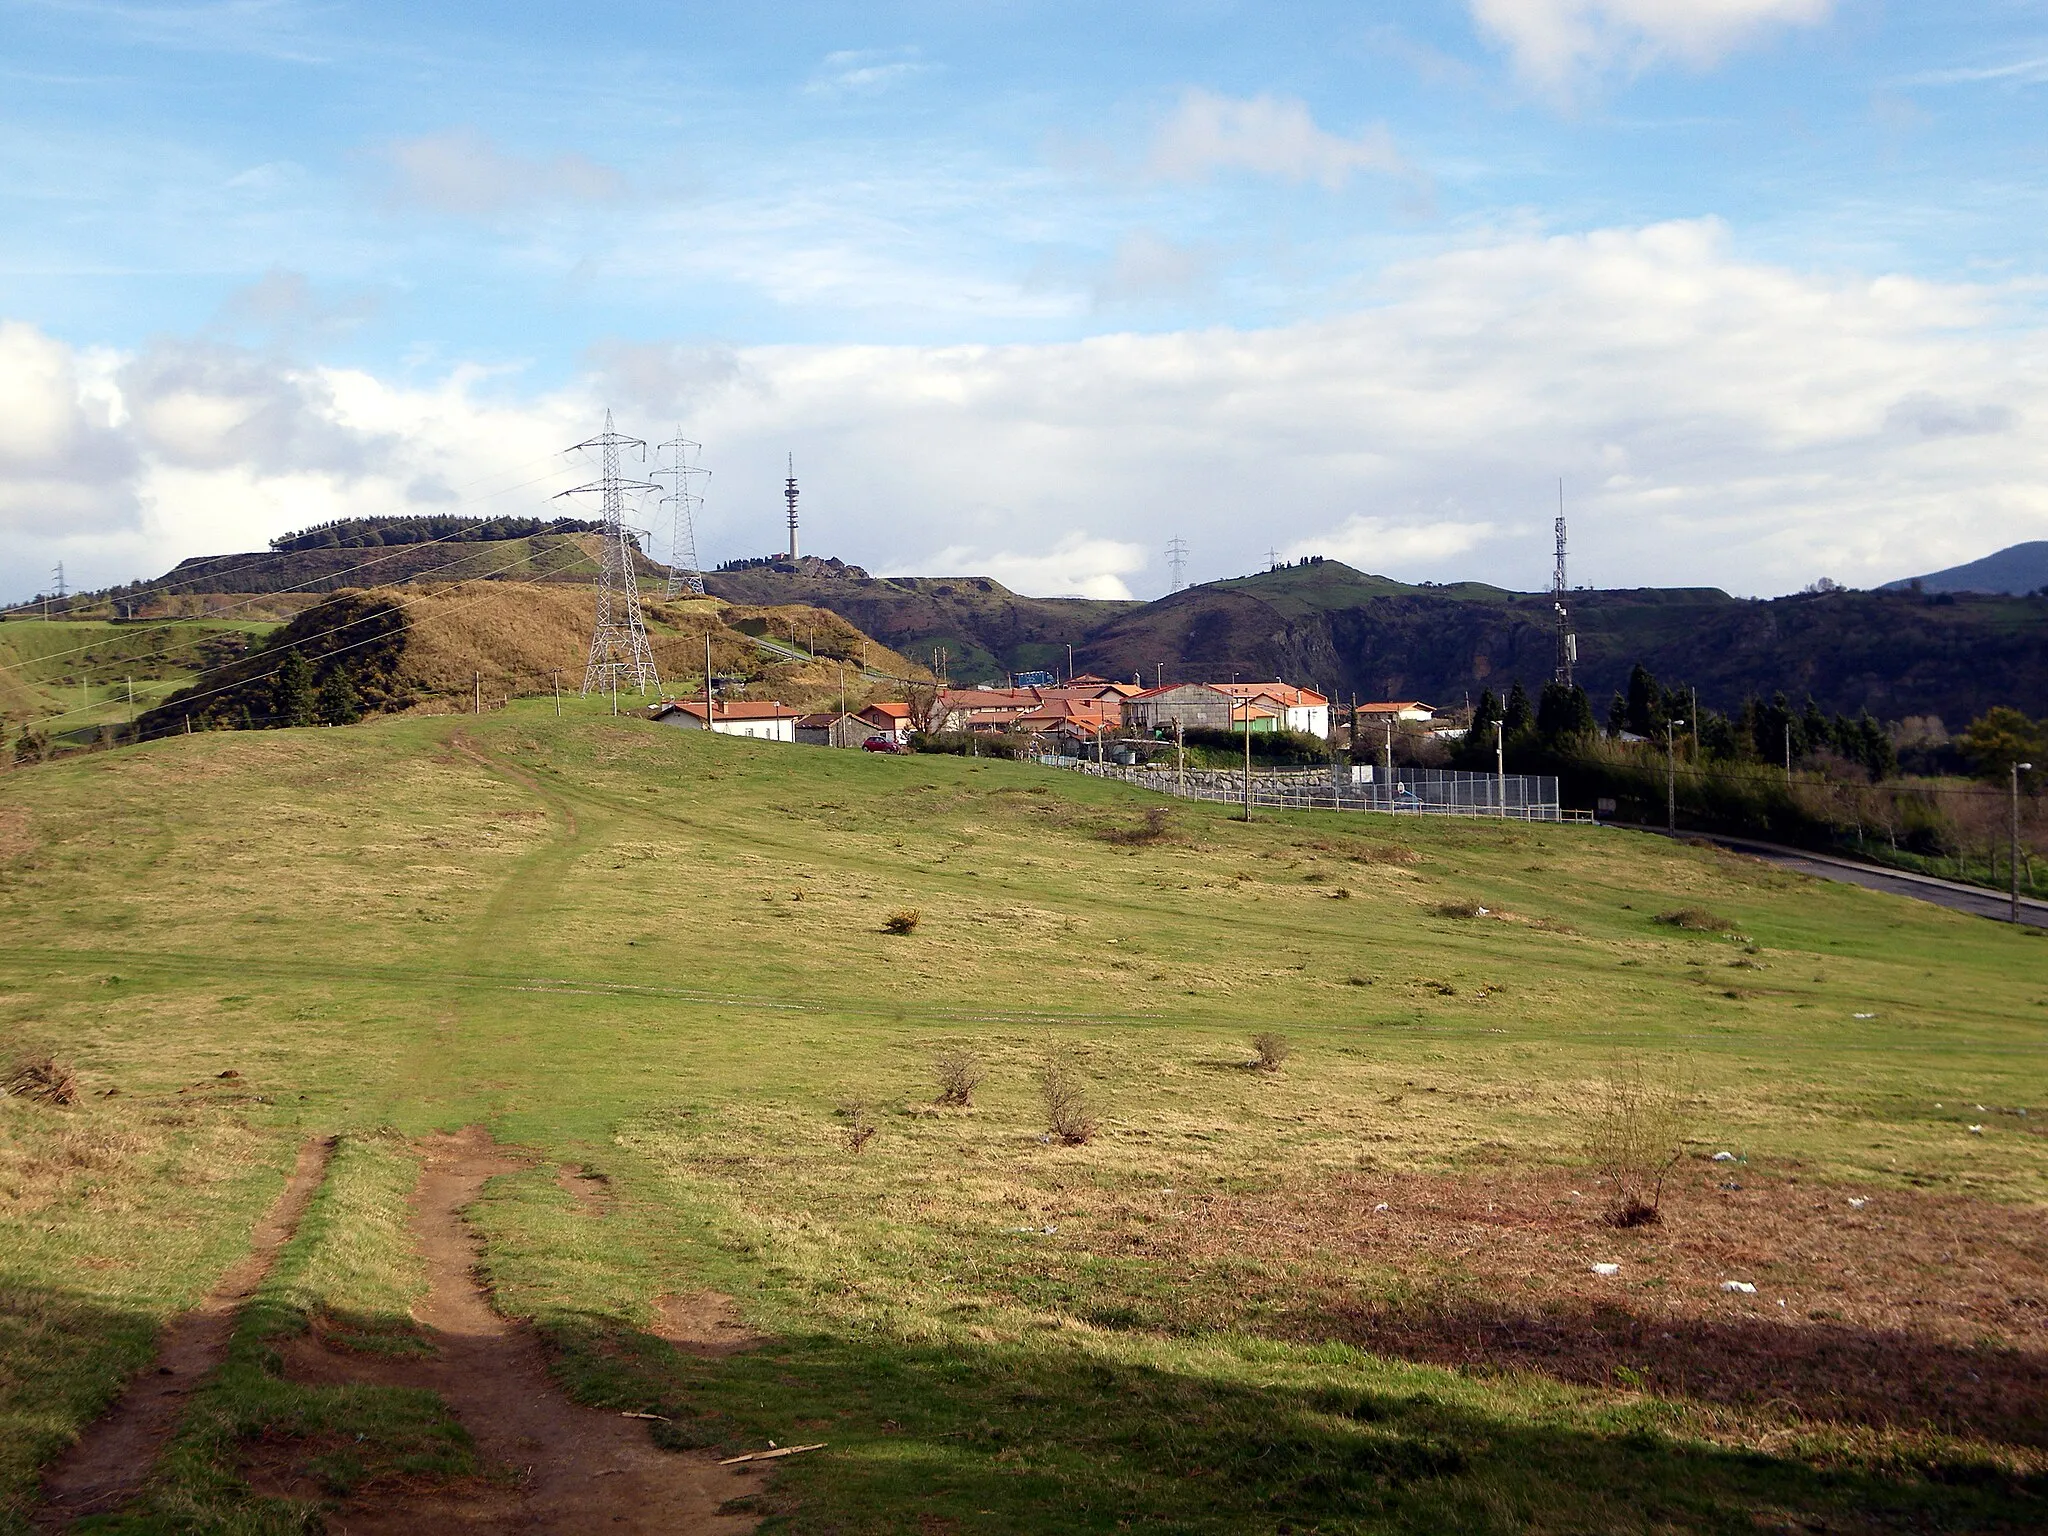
point(883, 744)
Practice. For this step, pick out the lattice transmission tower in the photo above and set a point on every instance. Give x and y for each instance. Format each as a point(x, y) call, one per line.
point(1177, 561)
point(619, 653)
point(1567, 638)
point(685, 575)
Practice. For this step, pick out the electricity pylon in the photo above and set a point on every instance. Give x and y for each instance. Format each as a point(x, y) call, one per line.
point(685, 575)
point(619, 653)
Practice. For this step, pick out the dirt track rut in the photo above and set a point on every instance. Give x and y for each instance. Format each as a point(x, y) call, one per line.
point(111, 1460)
point(576, 1469)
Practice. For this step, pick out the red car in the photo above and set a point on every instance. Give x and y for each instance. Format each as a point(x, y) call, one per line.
point(883, 744)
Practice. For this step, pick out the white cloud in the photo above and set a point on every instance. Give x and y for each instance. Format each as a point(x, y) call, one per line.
point(1266, 135)
point(461, 172)
point(1077, 566)
point(1380, 544)
point(1147, 267)
point(867, 71)
point(1555, 42)
point(1717, 421)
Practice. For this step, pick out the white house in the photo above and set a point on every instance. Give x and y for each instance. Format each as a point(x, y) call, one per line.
point(763, 721)
point(1299, 709)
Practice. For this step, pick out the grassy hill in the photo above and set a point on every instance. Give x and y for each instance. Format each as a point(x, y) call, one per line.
point(2015, 569)
point(434, 647)
point(1893, 653)
point(71, 677)
point(985, 627)
point(1352, 1294)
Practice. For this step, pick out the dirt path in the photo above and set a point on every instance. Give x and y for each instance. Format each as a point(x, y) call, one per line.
point(111, 1460)
point(577, 1469)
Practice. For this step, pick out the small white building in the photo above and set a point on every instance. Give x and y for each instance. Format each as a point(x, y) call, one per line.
point(762, 721)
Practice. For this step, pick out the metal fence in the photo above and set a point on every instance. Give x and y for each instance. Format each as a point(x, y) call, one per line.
point(1412, 792)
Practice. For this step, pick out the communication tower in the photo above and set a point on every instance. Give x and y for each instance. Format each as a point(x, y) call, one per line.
point(789, 495)
point(1567, 638)
point(685, 575)
point(619, 653)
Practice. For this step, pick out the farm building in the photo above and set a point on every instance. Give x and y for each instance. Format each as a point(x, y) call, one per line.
point(764, 721)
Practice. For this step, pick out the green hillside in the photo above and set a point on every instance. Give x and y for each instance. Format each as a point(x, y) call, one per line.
point(985, 628)
point(1352, 1294)
point(1892, 653)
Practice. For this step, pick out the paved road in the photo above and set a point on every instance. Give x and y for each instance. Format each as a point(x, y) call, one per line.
point(1946, 893)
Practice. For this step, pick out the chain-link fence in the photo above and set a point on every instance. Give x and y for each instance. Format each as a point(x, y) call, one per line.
point(1344, 787)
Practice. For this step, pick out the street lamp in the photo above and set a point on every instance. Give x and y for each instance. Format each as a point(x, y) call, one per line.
point(2012, 862)
point(1671, 774)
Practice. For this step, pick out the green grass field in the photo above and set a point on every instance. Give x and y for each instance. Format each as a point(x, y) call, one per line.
point(69, 677)
point(1351, 1295)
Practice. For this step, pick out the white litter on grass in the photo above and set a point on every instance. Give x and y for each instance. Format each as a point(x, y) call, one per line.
point(1484, 913)
point(1036, 1231)
point(1606, 1269)
point(1976, 1130)
point(1381, 1206)
point(1863, 1015)
point(1980, 1109)
point(1857, 1202)
point(1739, 1287)
point(1724, 1157)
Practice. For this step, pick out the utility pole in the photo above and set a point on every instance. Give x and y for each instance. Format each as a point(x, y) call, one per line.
point(2013, 853)
point(557, 676)
point(1180, 756)
point(1671, 774)
point(1390, 762)
point(1177, 561)
point(1695, 725)
point(1070, 663)
point(1500, 768)
point(1247, 760)
point(1788, 752)
point(707, 678)
point(480, 695)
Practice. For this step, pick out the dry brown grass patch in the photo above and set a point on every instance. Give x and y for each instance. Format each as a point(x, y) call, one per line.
point(1915, 1311)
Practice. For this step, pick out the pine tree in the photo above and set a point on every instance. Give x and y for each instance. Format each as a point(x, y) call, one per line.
point(1520, 714)
point(1644, 699)
point(292, 698)
point(339, 702)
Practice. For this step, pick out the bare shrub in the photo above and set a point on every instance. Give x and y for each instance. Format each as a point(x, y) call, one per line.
point(902, 920)
point(960, 1073)
point(1696, 920)
point(860, 1126)
point(1157, 825)
point(1067, 1118)
point(1273, 1050)
point(42, 1080)
point(1634, 1139)
point(1465, 907)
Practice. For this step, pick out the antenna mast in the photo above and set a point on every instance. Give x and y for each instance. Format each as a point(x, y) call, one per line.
point(789, 495)
point(1177, 561)
point(685, 575)
point(1567, 638)
point(619, 651)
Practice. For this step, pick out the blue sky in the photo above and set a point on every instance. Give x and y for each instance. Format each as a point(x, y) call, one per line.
point(1031, 288)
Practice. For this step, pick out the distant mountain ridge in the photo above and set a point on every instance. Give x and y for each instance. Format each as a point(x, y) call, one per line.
point(2016, 569)
point(1893, 652)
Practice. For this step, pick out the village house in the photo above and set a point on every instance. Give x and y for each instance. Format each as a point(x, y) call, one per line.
point(763, 721)
point(831, 728)
point(1191, 706)
point(984, 709)
point(1292, 708)
point(1394, 709)
point(888, 718)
